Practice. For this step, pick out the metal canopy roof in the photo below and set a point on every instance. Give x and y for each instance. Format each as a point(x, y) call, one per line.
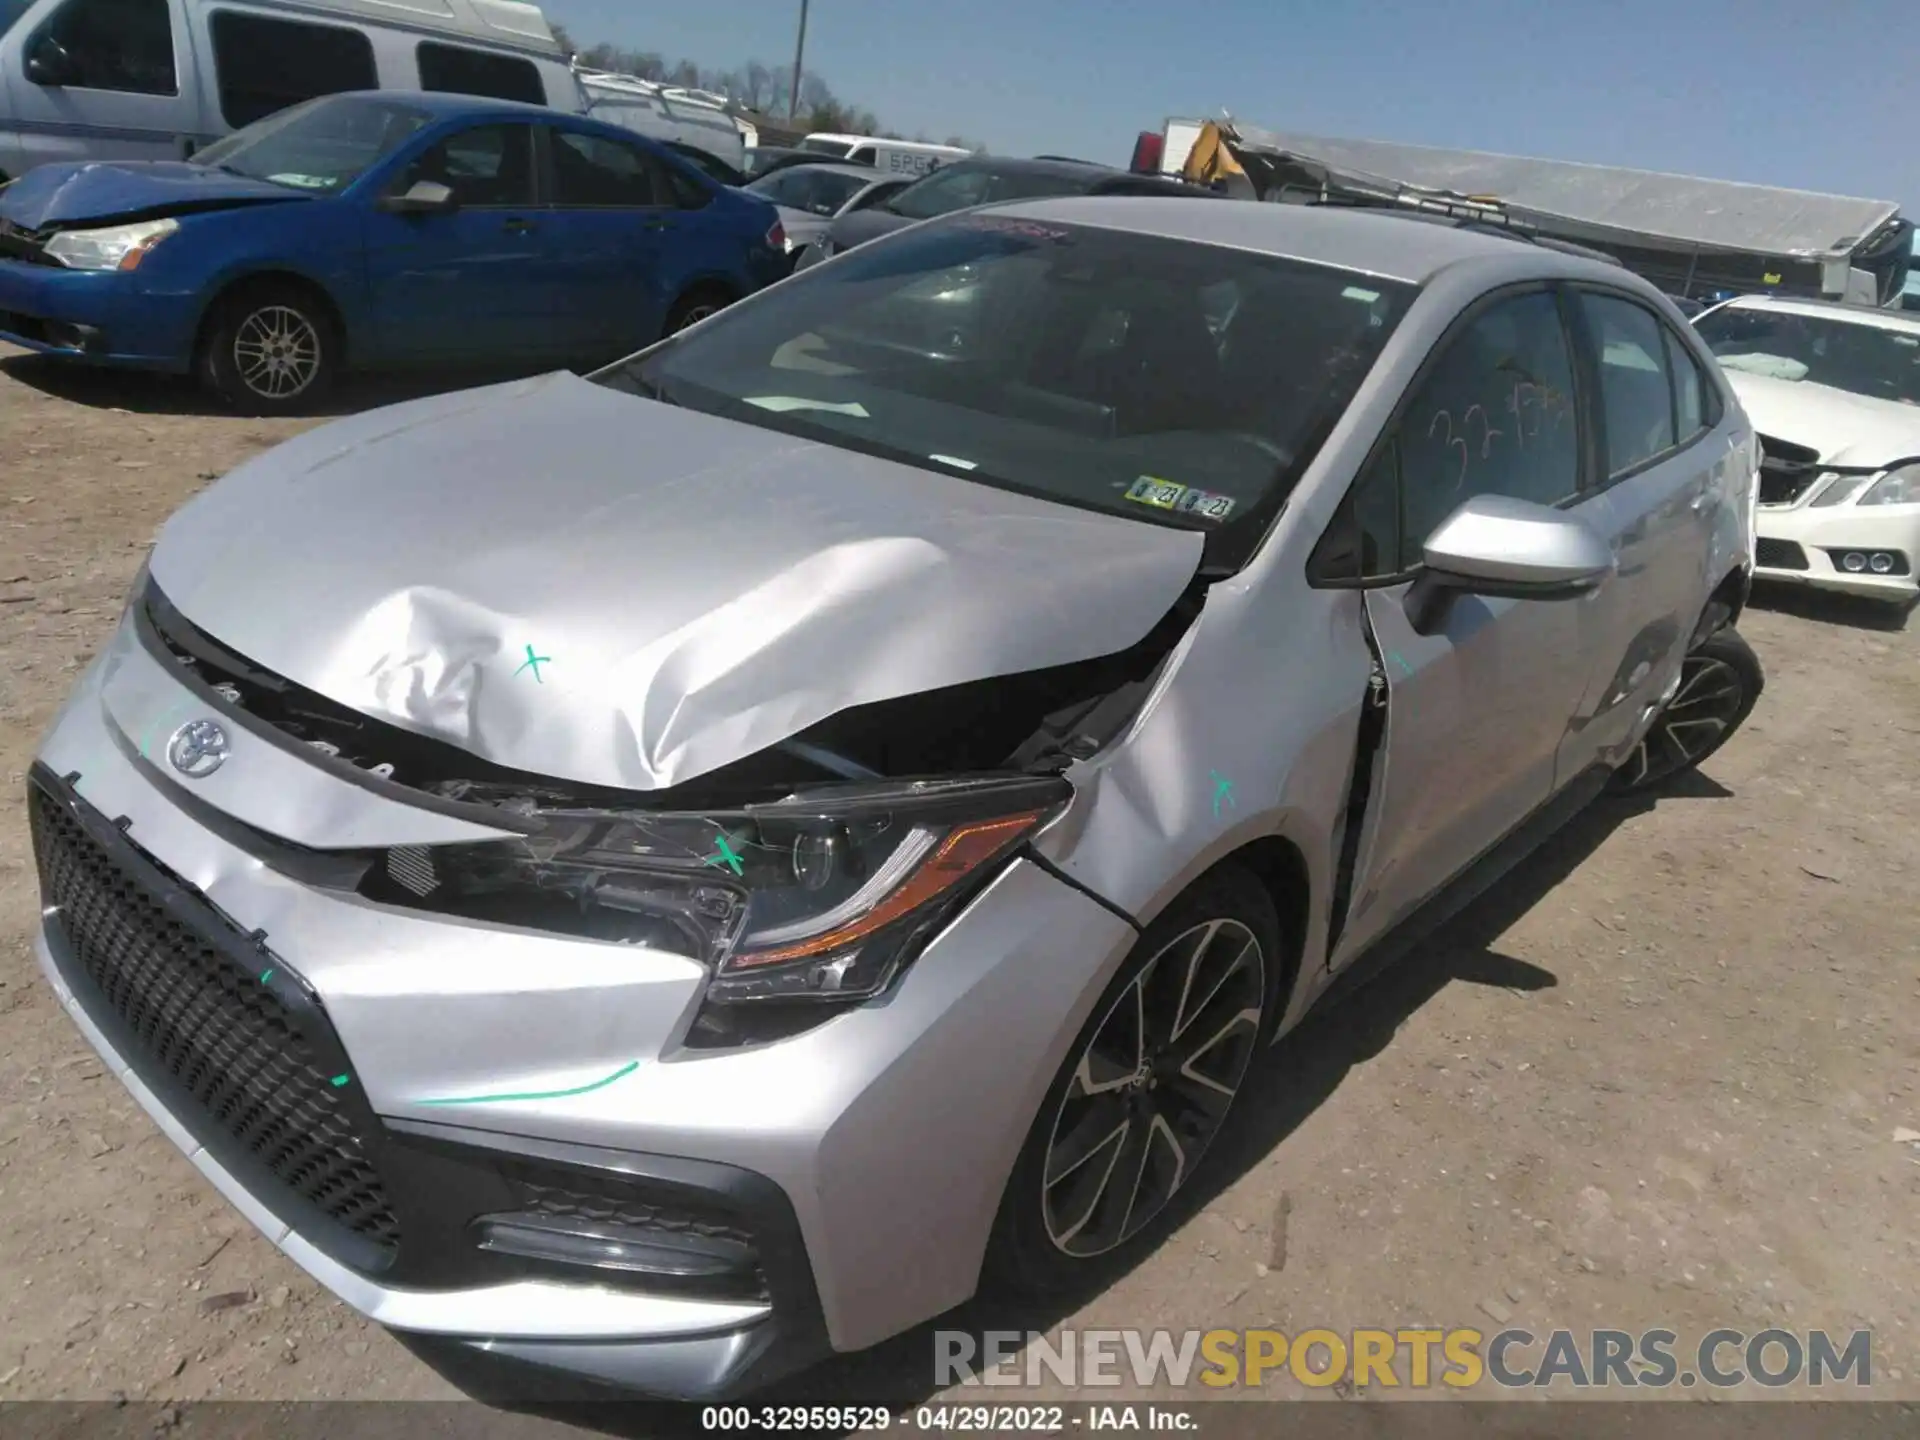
point(1603, 201)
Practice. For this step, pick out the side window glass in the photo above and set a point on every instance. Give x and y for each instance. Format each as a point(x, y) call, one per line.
point(1689, 390)
point(1636, 390)
point(783, 188)
point(1363, 542)
point(1495, 416)
point(264, 65)
point(121, 45)
point(487, 167)
point(456, 69)
point(591, 172)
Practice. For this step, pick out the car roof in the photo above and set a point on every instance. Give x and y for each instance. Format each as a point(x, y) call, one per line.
point(1352, 239)
point(1047, 165)
point(445, 105)
point(1903, 320)
point(832, 167)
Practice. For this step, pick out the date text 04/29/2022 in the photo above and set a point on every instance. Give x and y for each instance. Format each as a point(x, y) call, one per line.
point(961, 1419)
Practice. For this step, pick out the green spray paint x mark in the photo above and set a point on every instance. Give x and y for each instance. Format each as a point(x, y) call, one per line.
point(340, 1080)
point(1222, 790)
point(534, 662)
point(620, 1074)
point(265, 975)
point(1400, 660)
point(725, 854)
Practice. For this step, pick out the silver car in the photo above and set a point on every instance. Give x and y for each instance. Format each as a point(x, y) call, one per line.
point(811, 197)
point(674, 874)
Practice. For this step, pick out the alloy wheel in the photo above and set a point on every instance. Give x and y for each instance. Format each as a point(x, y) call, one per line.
point(276, 351)
point(1152, 1086)
point(1709, 700)
point(695, 314)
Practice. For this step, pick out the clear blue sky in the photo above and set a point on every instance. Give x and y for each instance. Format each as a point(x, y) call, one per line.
point(1816, 96)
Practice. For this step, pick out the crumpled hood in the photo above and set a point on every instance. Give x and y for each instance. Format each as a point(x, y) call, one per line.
point(107, 190)
point(1846, 429)
point(572, 581)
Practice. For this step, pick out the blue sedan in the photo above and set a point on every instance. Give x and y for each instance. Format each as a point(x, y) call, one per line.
point(378, 230)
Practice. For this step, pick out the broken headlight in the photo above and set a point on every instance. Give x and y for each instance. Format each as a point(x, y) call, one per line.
point(820, 896)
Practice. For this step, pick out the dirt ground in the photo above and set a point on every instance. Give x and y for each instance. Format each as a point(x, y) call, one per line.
point(1653, 1081)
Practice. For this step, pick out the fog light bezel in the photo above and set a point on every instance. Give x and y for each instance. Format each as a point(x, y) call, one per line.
point(627, 1250)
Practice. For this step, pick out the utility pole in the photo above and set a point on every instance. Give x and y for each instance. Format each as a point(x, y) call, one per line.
point(799, 55)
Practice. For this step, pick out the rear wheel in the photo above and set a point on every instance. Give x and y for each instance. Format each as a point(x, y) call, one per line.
point(1144, 1092)
point(695, 306)
point(270, 350)
point(1720, 681)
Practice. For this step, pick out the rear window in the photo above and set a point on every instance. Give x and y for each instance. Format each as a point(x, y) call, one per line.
point(1173, 383)
point(460, 71)
point(265, 65)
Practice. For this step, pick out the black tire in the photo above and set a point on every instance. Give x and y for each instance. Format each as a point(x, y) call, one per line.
point(270, 349)
point(1171, 1119)
point(694, 306)
point(1720, 683)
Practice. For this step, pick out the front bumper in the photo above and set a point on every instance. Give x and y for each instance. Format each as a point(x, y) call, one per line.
point(482, 1069)
point(1801, 545)
point(102, 317)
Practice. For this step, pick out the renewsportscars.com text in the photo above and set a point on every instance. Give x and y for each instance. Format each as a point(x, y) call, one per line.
point(1410, 1358)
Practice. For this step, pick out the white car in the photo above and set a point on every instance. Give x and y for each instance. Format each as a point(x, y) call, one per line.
point(1834, 392)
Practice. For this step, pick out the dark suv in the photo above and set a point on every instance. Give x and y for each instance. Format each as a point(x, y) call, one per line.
point(988, 180)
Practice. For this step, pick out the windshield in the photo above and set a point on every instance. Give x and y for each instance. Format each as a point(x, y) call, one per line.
point(961, 187)
point(1853, 355)
point(321, 146)
point(818, 192)
point(1170, 382)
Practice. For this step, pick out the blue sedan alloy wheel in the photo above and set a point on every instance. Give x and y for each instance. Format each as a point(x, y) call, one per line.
point(270, 350)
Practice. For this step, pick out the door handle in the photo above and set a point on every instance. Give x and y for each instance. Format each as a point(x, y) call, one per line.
point(657, 225)
point(520, 227)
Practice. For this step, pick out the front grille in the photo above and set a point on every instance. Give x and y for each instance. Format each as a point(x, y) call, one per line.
point(198, 1019)
point(1786, 470)
point(1779, 555)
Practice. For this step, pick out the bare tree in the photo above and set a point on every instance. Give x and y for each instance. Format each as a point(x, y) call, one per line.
point(564, 41)
point(757, 86)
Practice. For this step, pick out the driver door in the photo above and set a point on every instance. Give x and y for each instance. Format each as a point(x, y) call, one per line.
point(469, 284)
point(1478, 711)
point(114, 83)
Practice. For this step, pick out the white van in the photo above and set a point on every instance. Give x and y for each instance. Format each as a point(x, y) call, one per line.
point(668, 113)
point(890, 157)
point(156, 79)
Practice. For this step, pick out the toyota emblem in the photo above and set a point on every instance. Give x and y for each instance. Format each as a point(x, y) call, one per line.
point(198, 748)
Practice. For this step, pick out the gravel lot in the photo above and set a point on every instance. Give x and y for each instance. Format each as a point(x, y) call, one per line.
point(1653, 1081)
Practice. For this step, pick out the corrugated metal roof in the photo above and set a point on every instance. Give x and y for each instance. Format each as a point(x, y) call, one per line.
point(1710, 214)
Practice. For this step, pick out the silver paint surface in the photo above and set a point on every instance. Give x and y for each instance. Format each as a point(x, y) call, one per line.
point(698, 589)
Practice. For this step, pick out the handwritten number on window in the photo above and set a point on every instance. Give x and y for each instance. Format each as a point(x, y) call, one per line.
point(1445, 417)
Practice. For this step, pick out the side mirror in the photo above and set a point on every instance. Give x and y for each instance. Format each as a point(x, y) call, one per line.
point(1506, 549)
point(423, 197)
point(49, 65)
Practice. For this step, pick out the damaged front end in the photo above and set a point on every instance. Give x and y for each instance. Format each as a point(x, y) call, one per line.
point(802, 877)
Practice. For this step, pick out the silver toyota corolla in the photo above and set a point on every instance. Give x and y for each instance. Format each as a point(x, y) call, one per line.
point(674, 874)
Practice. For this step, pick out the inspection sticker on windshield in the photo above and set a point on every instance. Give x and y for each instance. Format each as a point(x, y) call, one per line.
point(1161, 494)
point(1205, 504)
